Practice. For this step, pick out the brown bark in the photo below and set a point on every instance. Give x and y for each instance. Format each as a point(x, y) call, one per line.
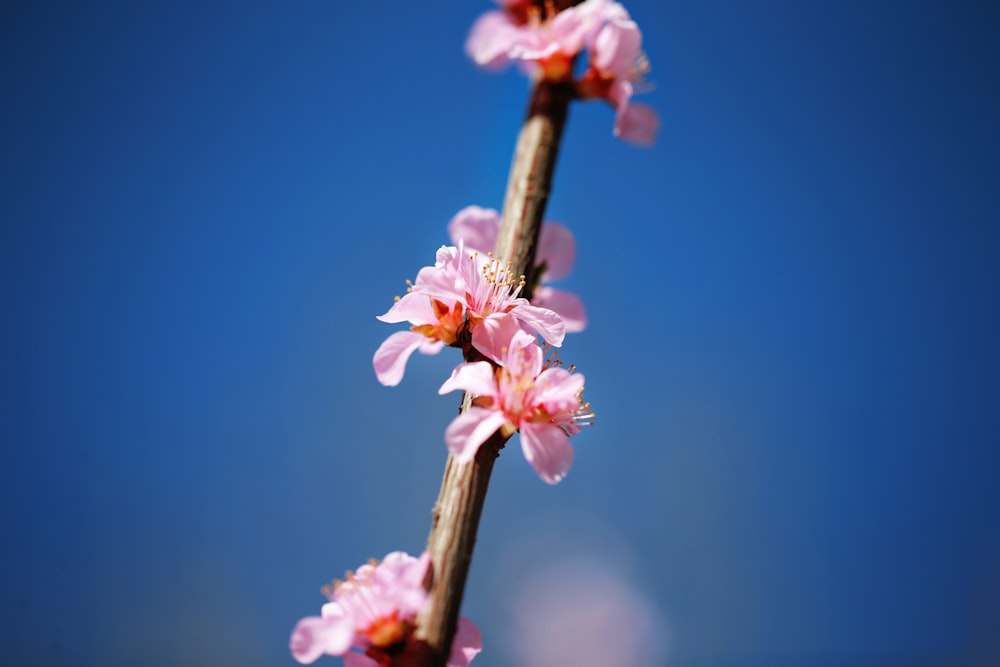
point(463, 489)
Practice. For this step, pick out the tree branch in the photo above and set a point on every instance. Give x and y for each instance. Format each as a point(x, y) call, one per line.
point(463, 488)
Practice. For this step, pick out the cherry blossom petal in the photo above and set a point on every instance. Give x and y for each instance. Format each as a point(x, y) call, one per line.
point(542, 321)
point(576, 27)
point(314, 636)
point(493, 334)
point(445, 255)
point(491, 39)
point(477, 227)
point(557, 389)
point(354, 659)
point(620, 94)
point(557, 249)
point(618, 45)
point(331, 610)
point(547, 449)
point(475, 378)
point(391, 590)
point(467, 644)
point(468, 431)
point(415, 308)
point(524, 356)
point(569, 30)
point(567, 305)
point(442, 282)
point(402, 576)
point(391, 356)
point(637, 124)
point(535, 44)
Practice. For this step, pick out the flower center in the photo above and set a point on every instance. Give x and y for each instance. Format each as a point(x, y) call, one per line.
point(519, 389)
point(556, 67)
point(449, 321)
point(493, 288)
point(386, 631)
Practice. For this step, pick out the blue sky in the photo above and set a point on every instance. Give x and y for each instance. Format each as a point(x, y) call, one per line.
point(792, 350)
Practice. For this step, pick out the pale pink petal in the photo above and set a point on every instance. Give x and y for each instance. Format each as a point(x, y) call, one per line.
point(577, 26)
point(445, 255)
point(569, 29)
point(444, 283)
point(620, 93)
point(468, 643)
point(400, 569)
point(491, 39)
point(332, 611)
point(556, 249)
point(477, 227)
point(493, 334)
point(413, 308)
point(428, 346)
point(557, 389)
point(314, 636)
point(391, 356)
point(614, 11)
point(475, 378)
point(524, 356)
point(547, 449)
point(402, 577)
point(468, 431)
point(392, 568)
point(534, 44)
point(354, 659)
point(637, 124)
point(618, 45)
point(567, 305)
point(542, 321)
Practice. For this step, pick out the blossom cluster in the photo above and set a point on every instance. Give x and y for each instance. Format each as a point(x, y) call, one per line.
point(544, 40)
point(470, 300)
point(370, 615)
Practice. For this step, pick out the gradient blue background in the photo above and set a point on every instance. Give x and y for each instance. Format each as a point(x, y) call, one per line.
point(793, 350)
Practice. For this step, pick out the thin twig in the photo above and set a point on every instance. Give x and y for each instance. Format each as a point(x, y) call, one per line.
point(463, 489)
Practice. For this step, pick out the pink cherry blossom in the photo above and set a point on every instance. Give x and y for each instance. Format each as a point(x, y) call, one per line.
point(545, 41)
point(478, 227)
point(373, 612)
point(461, 294)
point(466, 645)
point(617, 66)
point(539, 38)
point(636, 123)
point(541, 400)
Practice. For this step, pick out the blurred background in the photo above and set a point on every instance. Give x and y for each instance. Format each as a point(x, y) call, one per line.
point(792, 351)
